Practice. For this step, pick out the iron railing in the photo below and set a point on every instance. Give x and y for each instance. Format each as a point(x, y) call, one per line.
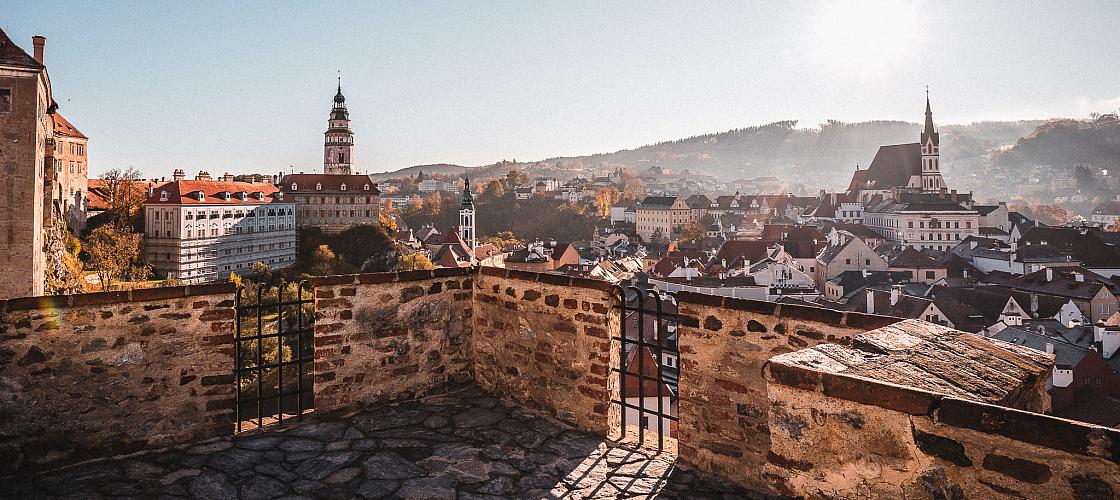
point(273, 353)
point(636, 374)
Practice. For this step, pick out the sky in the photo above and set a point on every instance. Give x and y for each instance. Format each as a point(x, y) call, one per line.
point(247, 86)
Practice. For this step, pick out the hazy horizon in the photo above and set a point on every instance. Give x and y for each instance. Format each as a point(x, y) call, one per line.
point(473, 83)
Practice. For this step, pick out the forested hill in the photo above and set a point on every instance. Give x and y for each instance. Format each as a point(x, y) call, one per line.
point(1067, 142)
point(814, 156)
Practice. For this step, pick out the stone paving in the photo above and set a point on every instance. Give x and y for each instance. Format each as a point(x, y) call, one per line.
point(467, 445)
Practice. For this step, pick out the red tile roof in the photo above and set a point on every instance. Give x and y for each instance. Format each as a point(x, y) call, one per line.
point(63, 127)
point(182, 192)
point(307, 183)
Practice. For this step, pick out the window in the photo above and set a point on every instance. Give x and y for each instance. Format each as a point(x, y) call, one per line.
point(5, 100)
point(848, 261)
point(294, 187)
point(929, 275)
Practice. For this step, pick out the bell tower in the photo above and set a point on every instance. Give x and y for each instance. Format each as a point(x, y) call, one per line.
point(932, 181)
point(466, 217)
point(338, 148)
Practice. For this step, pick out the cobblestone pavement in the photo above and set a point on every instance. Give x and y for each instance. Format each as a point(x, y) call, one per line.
point(467, 445)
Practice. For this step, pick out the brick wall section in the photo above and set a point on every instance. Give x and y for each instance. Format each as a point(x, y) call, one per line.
point(390, 336)
point(839, 436)
point(724, 343)
point(544, 340)
point(115, 372)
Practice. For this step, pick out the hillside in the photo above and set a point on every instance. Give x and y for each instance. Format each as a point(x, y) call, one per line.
point(447, 169)
point(823, 156)
point(1063, 143)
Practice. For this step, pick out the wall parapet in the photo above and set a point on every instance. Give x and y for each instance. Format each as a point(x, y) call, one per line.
point(845, 434)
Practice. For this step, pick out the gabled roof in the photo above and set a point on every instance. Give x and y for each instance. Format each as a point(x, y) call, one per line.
point(736, 250)
point(658, 202)
point(911, 258)
point(184, 192)
point(453, 252)
point(892, 167)
point(11, 54)
point(1086, 244)
point(859, 231)
point(1066, 356)
point(1110, 208)
point(63, 127)
point(307, 183)
point(907, 306)
point(1063, 285)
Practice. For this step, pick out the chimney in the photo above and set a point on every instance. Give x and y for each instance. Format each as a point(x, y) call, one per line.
point(178, 175)
point(896, 291)
point(1049, 348)
point(1034, 305)
point(953, 195)
point(39, 42)
point(1078, 277)
point(870, 301)
point(972, 244)
point(1049, 274)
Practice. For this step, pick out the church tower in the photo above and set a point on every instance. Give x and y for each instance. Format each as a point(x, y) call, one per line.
point(931, 155)
point(338, 150)
point(466, 217)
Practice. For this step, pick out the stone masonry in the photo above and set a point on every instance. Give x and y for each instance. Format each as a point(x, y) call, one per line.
point(840, 428)
point(114, 372)
point(724, 343)
point(390, 336)
point(544, 339)
point(89, 375)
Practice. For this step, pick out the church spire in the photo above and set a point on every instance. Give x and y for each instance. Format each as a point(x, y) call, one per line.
point(928, 132)
point(338, 147)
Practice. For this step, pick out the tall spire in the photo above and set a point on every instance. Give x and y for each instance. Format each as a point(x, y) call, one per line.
point(468, 197)
point(929, 116)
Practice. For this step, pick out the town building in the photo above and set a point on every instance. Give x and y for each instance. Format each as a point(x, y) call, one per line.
point(338, 145)
point(846, 252)
point(937, 221)
point(71, 166)
point(1105, 214)
point(203, 230)
point(663, 216)
point(332, 202)
point(27, 167)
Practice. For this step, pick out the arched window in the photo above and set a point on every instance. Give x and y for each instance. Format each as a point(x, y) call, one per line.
point(293, 186)
point(343, 186)
point(318, 187)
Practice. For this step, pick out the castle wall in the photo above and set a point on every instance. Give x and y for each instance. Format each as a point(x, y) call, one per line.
point(115, 372)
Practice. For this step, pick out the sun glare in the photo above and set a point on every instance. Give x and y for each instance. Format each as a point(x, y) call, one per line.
point(866, 35)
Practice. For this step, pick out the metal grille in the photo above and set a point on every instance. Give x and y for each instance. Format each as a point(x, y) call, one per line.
point(273, 353)
point(649, 362)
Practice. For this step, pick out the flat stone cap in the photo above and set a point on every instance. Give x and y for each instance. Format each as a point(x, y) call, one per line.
point(933, 358)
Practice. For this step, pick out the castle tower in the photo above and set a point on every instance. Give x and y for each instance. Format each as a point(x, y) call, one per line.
point(931, 155)
point(466, 217)
point(338, 150)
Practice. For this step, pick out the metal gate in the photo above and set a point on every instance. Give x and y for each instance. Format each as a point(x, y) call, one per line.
point(649, 363)
point(273, 353)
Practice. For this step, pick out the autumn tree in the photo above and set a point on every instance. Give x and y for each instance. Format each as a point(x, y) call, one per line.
point(515, 178)
point(605, 198)
point(433, 204)
point(387, 221)
point(414, 262)
point(1114, 227)
point(632, 187)
point(693, 231)
point(495, 190)
point(323, 261)
point(114, 254)
point(125, 194)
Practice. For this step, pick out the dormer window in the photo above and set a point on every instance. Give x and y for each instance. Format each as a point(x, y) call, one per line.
point(342, 187)
point(279, 195)
point(163, 195)
point(318, 187)
point(258, 195)
point(200, 196)
point(294, 187)
point(242, 195)
point(226, 195)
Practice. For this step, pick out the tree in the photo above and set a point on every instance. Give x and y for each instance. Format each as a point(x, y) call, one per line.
point(387, 221)
point(632, 187)
point(495, 189)
point(126, 194)
point(515, 178)
point(693, 231)
point(323, 261)
point(114, 254)
point(605, 198)
point(433, 204)
point(414, 262)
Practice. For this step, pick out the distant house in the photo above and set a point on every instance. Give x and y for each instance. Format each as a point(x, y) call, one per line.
point(920, 266)
point(1092, 293)
point(1084, 244)
point(897, 304)
point(845, 252)
point(1105, 214)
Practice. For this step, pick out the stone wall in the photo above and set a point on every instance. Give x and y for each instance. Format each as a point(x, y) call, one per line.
point(390, 336)
point(544, 340)
point(115, 372)
point(724, 342)
point(840, 436)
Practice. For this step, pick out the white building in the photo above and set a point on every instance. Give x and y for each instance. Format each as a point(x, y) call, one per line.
point(202, 230)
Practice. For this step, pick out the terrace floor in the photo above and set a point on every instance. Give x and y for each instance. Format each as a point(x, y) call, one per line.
point(467, 445)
